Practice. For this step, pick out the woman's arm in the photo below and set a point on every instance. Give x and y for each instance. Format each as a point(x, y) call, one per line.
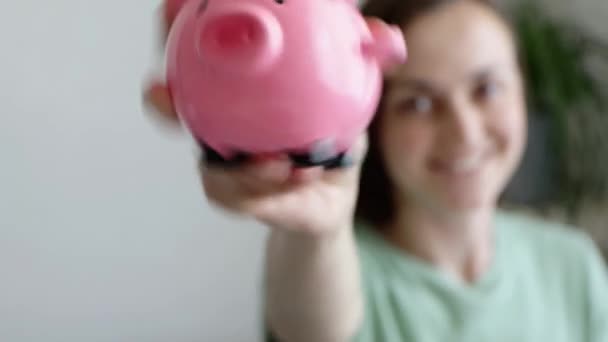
point(313, 288)
point(597, 284)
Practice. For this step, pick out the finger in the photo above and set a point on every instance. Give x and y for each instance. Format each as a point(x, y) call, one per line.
point(305, 175)
point(158, 99)
point(266, 200)
point(255, 189)
point(294, 205)
point(270, 169)
point(256, 178)
point(225, 191)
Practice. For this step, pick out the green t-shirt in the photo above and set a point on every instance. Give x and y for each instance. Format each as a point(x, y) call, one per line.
point(547, 283)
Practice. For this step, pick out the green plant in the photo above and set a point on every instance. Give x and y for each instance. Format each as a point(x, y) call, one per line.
point(560, 84)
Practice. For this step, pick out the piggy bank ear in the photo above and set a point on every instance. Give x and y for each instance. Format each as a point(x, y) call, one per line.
point(354, 2)
point(171, 9)
point(387, 44)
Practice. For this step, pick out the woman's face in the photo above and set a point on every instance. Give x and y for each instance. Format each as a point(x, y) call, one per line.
point(454, 126)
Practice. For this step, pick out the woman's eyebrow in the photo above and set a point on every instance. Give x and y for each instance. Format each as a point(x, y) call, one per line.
point(483, 74)
point(489, 71)
point(415, 84)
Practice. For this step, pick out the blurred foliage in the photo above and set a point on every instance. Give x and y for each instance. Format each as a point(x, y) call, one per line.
point(564, 85)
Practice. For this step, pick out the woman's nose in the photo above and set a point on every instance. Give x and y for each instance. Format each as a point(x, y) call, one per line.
point(464, 128)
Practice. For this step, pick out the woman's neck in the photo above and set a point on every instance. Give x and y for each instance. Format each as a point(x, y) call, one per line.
point(461, 245)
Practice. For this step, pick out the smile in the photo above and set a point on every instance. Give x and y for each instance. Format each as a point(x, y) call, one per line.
point(459, 167)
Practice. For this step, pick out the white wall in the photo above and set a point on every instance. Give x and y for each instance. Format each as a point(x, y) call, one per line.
point(104, 232)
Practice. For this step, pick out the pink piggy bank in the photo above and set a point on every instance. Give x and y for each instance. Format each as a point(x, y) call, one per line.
point(295, 77)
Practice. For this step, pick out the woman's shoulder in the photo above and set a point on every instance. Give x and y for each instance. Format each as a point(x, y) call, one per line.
point(518, 227)
point(549, 247)
point(567, 258)
point(522, 235)
point(542, 235)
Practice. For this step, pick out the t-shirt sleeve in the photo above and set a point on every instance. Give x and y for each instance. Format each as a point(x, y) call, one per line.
point(597, 290)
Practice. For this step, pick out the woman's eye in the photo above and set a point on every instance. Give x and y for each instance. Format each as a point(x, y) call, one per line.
point(415, 105)
point(486, 90)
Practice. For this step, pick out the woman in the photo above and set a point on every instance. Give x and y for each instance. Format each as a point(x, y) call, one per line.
point(409, 245)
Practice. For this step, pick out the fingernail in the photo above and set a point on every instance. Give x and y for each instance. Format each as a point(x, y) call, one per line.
point(273, 169)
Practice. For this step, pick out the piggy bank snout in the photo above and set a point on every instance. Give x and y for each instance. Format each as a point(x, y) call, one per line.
point(241, 39)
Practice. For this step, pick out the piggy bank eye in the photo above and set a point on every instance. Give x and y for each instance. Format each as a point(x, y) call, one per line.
point(280, 2)
point(203, 6)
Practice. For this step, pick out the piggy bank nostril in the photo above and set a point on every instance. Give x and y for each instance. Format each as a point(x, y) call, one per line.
point(243, 40)
point(237, 34)
point(236, 31)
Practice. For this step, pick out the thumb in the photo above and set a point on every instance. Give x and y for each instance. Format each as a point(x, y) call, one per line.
point(157, 99)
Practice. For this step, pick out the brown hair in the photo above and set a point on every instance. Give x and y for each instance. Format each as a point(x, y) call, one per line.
point(375, 202)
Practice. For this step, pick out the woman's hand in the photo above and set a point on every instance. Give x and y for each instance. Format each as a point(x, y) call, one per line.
point(310, 200)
